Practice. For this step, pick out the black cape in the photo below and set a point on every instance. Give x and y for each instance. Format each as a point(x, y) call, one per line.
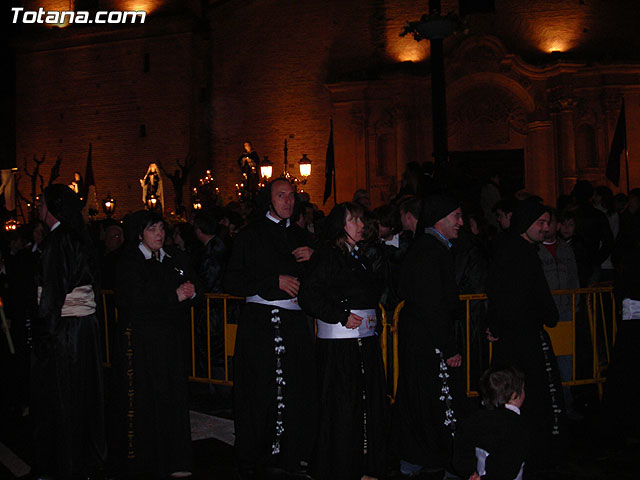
point(68, 427)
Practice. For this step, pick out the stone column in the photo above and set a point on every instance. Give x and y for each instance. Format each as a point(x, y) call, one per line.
point(562, 108)
point(541, 176)
point(401, 119)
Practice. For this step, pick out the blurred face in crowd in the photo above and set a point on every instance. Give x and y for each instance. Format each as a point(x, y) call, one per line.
point(354, 228)
point(473, 226)
point(449, 226)
point(282, 199)
point(550, 236)
point(567, 228)
point(153, 236)
point(113, 238)
point(384, 232)
point(537, 231)
point(364, 202)
point(308, 216)
point(504, 219)
point(408, 221)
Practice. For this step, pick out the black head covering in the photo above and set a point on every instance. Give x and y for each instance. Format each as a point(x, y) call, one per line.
point(526, 213)
point(64, 205)
point(437, 206)
point(583, 191)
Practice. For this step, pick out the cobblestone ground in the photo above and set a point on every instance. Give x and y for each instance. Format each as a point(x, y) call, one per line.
point(586, 459)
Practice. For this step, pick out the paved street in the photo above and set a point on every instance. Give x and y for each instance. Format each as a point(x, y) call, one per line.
point(212, 431)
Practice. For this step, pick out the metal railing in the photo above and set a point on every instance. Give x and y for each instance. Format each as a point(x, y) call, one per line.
point(601, 328)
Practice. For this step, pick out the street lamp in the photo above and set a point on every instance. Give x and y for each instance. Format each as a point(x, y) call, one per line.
point(305, 167)
point(266, 168)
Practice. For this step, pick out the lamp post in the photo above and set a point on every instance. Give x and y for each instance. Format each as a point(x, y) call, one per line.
point(109, 206)
point(266, 169)
point(435, 27)
point(305, 167)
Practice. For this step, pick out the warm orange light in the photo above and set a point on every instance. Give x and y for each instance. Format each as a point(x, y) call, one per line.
point(408, 50)
point(140, 5)
point(557, 46)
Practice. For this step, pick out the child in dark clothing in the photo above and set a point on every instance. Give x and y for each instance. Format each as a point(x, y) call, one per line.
point(493, 443)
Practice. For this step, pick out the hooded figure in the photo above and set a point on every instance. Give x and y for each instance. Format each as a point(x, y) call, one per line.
point(68, 428)
point(151, 184)
point(520, 305)
point(429, 356)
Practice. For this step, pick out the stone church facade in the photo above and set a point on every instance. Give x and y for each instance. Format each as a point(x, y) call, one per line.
point(534, 91)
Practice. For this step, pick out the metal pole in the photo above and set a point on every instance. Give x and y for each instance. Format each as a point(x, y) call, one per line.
point(438, 103)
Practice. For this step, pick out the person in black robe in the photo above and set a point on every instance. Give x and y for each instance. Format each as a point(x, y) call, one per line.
point(66, 370)
point(341, 291)
point(274, 387)
point(520, 305)
point(430, 393)
point(153, 291)
point(620, 420)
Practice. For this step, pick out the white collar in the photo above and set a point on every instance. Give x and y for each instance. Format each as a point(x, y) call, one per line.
point(148, 254)
point(275, 220)
point(54, 226)
point(513, 408)
point(394, 242)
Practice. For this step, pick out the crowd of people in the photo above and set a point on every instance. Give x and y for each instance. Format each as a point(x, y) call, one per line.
point(310, 397)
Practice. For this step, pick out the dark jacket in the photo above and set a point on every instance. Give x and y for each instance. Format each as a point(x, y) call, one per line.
point(520, 301)
point(428, 287)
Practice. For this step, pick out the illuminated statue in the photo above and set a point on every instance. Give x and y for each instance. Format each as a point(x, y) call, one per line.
point(152, 185)
point(249, 163)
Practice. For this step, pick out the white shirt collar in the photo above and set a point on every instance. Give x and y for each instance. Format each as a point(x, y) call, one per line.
point(148, 254)
point(275, 220)
point(513, 408)
point(394, 242)
point(54, 226)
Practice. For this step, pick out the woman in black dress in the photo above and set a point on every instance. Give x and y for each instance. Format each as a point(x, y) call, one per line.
point(153, 292)
point(342, 293)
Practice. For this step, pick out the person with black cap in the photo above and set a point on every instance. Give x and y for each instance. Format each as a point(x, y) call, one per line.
point(66, 378)
point(274, 372)
point(520, 305)
point(429, 393)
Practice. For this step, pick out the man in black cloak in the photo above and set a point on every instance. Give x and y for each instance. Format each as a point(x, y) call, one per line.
point(520, 305)
point(66, 371)
point(274, 371)
point(429, 390)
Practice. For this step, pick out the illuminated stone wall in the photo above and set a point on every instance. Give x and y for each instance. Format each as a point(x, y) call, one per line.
point(267, 70)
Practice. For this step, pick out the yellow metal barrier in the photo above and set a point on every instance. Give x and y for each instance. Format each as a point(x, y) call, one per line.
point(110, 318)
point(563, 336)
